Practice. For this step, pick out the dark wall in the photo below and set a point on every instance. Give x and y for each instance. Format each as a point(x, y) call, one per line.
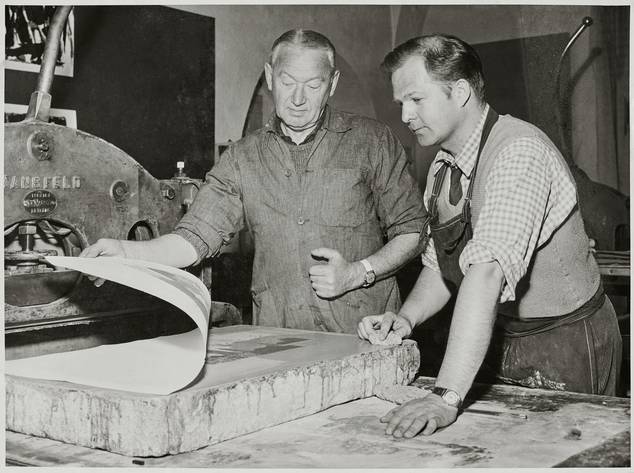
point(520, 76)
point(143, 81)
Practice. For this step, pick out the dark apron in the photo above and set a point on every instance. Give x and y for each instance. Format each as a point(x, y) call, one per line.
point(543, 352)
point(451, 237)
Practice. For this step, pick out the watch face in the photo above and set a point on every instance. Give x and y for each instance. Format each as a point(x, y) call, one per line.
point(370, 277)
point(452, 398)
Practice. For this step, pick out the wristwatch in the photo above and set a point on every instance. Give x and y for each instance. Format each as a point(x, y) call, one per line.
point(370, 275)
point(452, 398)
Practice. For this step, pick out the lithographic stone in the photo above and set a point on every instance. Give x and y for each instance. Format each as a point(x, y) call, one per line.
point(254, 377)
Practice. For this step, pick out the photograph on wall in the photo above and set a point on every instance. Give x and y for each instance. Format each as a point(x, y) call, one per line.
point(25, 38)
point(60, 116)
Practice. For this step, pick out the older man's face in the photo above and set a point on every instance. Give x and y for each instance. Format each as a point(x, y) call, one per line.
point(301, 81)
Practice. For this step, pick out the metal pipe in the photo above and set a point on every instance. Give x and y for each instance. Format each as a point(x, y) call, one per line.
point(51, 49)
point(40, 101)
point(585, 23)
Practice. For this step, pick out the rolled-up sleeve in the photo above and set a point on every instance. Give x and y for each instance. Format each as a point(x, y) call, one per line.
point(399, 203)
point(429, 258)
point(517, 203)
point(216, 214)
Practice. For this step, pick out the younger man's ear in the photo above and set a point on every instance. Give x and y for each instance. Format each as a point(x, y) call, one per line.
point(461, 90)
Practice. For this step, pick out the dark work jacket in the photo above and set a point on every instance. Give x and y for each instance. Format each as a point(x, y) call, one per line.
point(354, 190)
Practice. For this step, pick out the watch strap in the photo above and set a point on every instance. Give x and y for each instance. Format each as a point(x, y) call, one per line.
point(370, 275)
point(451, 397)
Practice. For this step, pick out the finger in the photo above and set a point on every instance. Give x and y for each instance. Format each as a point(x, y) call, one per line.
point(386, 418)
point(392, 425)
point(361, 331)
point(317, 278)
point(325, 253)
point(364, 335)
point(402, 328)
point(323, 292)
point(401, 331)
point(403, 426)
point(319, 270)
point(361, 335)
point(386, 325)
point(373, 319)
point(394, 422)
point(369, 322)
point(366, 326)
point(321, 285)
point(415, 427)
point(91, 251)
point(99, 282)
point(431, 427)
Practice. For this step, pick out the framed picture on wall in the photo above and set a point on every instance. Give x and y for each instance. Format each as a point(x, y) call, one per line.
point(60, 116)
point(26, 30)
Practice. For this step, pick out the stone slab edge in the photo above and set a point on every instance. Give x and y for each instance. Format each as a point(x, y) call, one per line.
point(141, 425)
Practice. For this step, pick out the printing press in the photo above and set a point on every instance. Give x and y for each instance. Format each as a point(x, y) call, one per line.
point(267, 397)
point(64, 189)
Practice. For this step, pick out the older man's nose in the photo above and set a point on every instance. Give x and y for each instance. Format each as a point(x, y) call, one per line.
point(299, 97)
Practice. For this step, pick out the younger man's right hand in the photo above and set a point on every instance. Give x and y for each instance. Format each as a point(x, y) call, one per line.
point(380, 325)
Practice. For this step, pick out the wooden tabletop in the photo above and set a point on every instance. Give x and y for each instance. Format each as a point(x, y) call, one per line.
point(613, 263)
point(502, 426)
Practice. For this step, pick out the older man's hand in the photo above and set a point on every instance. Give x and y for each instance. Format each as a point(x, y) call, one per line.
point(104, 247)
point(335, 277)
point(426, 414)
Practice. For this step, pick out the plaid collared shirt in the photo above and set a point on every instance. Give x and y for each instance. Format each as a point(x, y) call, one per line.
point(529, 194)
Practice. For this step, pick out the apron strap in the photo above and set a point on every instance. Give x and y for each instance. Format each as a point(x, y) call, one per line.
point(435, 192)
point(491, 119)
point(433, 210)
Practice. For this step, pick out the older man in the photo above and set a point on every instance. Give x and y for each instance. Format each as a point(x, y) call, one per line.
point(318, 189)
point(506, 236)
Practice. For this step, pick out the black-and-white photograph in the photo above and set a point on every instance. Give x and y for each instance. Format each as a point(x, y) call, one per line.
point(335, 236)
point(26, 30)
point(17, 113)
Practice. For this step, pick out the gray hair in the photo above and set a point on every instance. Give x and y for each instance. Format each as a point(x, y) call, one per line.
point(305, 39)
point(446, 58)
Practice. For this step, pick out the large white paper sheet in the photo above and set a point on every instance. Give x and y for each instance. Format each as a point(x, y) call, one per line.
point(160, 365)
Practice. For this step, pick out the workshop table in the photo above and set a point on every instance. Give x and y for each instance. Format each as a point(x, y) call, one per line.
point(502, 426)
point(614, 267)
